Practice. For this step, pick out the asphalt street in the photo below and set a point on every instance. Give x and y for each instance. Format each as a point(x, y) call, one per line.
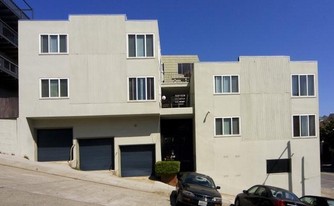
point(24, 182)
point(327, 184)
point(24, 187)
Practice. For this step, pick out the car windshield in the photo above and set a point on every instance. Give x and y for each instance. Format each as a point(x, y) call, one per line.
point(199, 180)
point(330, 202)
point(283, 194)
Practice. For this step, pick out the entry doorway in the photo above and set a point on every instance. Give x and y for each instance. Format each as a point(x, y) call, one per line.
point(177, 142)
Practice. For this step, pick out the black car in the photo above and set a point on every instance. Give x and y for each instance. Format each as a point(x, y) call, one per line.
point(197, 189)
point(263, 195)
point(317, 200)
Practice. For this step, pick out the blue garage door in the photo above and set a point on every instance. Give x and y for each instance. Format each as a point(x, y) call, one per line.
point(54, 144)
point(96, 154)
point(137, 160)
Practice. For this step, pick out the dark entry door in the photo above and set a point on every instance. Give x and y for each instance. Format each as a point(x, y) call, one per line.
point(54, 144)
point(96, 154)
point(137, 160)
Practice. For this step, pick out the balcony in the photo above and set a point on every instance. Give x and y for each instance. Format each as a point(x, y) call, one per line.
point(18, 8)
point(8, 33)
point(176, 106)
point(176, 100)
point(8, 67)
point(174, 78)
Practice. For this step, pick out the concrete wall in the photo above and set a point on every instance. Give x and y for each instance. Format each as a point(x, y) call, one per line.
point(8, 136)
point(265, 108)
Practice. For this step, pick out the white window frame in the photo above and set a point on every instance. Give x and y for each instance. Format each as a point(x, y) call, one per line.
point(306, 96)
point(136, 56)
point(49, 97)
point(58, 43)
point(141, 100)
point(222, 86)
point(227, 135)
point(300, 132)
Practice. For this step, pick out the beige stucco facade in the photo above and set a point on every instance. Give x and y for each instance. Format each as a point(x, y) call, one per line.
point(97, 68)
point(265, 106)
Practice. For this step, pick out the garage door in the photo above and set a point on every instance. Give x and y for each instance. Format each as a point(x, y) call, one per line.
point(137, 160)
point(96, 154)
point(54, 144)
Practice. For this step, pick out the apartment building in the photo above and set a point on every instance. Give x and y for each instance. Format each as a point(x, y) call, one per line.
point(108, 100)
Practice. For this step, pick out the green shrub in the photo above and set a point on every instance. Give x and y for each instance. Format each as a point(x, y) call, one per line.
point(167, 167)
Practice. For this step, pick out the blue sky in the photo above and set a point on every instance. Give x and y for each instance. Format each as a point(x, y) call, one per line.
point(223, 30)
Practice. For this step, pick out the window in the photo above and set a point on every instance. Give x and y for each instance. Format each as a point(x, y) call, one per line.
point(185, 69)
point(140, 45)
point(141, 88)
point(226, 84)
point(302, 85)
point(53, 44)
point(54, 88)
point(303, 125)
point(227, 126)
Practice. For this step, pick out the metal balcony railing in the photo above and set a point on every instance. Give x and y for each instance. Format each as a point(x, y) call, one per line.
point(177, 100)
point(8, 67)
point(8, 33)
point(175, 78)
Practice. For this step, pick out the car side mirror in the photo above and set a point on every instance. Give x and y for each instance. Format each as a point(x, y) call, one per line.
point(218, 187)
point(245, 191)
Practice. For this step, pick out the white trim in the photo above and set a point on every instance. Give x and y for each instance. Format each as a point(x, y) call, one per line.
point(304, 137)
point(224, 135)
point(314, 85)
point(58, 44)
point(226, 93)
point(59, 97)
point(141, 100)
point(142, 57)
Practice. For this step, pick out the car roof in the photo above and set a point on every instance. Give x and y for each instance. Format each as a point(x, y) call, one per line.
point(327, 198)
point(273, 187)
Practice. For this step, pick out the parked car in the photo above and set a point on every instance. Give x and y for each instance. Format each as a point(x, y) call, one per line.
point(197, 189)
point(264, 195)
point(317, 200)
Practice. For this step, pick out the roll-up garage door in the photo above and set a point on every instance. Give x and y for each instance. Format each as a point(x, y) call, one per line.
point(54, 144)
point(96, 154)
point(137, 160)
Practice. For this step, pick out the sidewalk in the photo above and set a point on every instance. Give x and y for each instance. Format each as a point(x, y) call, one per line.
point(101, 177)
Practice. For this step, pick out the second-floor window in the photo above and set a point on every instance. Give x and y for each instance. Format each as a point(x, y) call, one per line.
point(53, 44)
point(303, 85)
point(54, 88)
point(227, 126)
point(141, 88)
point(304, 125)
point(140, 45)
point(226, 84)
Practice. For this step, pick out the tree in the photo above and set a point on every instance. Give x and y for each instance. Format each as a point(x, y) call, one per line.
point(327, 138)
